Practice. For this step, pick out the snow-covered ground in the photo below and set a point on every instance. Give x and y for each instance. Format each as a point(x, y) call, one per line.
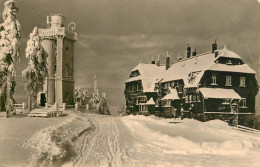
point(15, 131)
point(87, 139)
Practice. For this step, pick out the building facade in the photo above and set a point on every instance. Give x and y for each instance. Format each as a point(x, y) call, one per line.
point(58, 42)
point(140, 92)
point(217, 84)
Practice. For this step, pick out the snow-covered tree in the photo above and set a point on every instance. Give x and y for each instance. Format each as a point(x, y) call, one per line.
point(10, 32)
point(103, 106)
point(36, 70)
point(122, 110)
point(82, 96)
point(95, 99)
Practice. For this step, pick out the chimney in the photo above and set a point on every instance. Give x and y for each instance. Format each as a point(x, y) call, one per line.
point(168, 61)
point(214, 46)
point(194, 53)
point(216, 53)
point(153, 61)
point(188, 51)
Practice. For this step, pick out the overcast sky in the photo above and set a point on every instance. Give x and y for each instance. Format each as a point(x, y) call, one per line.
point(124, 32)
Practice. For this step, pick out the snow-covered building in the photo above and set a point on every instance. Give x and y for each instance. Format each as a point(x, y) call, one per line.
point(216, 84)
point(58, 42)
point(140, 89)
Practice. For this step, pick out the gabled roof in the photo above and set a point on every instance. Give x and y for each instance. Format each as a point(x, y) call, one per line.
point(192, 69)
point(150, 102)
point(149, 73)
point(173, 95)
point(228, 53)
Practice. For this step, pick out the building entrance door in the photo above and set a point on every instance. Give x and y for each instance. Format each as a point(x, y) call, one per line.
point(43, 99)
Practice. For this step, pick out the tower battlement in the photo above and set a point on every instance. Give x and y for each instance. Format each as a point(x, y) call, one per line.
point(56, 27)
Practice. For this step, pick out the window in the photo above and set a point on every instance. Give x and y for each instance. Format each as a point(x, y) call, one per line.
point(194, 97)
point(190, 97)
point(68, 68)
point(242, 81)
point(138, 87)
point(157, 102)
point(172, 84)
point(180, 88)
point(134, 73)
point(214, 79)
point(198, 98)
point(229, 62)
point(167, 85)
point(243, 103)
point(133, 87)
point(169, 102)
point(228, 80)
point(187, 98)
point(130, 88)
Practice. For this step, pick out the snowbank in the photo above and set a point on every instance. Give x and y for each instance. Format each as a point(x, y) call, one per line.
point(191, 136)
point(55, 143)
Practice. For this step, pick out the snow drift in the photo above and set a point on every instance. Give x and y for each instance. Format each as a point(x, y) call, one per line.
point(55, 144)
point(189, 143)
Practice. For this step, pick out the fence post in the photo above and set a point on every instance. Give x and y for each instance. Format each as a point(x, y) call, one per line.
point(87, 107)
point(64, 106)
point(76, 106)
point(57, 107)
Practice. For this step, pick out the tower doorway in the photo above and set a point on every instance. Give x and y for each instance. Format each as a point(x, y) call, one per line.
point(43, 99)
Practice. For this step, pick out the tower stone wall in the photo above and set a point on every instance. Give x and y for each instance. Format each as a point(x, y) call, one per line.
point(49, 46)
point(58, 42)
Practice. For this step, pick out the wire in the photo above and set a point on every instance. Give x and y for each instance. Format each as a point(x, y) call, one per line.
point(93, 53)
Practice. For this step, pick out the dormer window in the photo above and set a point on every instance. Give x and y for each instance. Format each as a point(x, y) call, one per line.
point(228, 80)
point(165, 85)
point(134, 73)
point(229, 62)
point(214, 79)
point(242, 82)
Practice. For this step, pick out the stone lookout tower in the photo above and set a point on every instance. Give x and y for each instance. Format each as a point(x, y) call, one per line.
point(58, 42)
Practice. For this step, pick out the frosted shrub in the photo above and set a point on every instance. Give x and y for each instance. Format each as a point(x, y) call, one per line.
point(36, 70)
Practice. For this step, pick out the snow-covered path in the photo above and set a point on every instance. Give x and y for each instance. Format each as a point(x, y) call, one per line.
point(97, 140)
point(100, 146)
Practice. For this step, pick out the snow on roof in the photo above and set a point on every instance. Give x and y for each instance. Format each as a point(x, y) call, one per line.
point(173, 95)
point(219, 93)
point(227, 53)
point(149, 73)
point(192, 69)
point(148, 85)
point(244, 68)
point(150, 102)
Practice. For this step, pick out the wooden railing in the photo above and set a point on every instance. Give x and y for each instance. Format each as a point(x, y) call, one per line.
point(19, 106)
point(247, 129)
point(64, 106)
